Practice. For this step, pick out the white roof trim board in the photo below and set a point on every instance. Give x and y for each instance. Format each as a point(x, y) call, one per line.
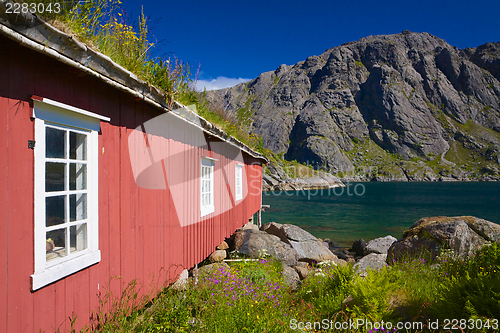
point(71, 108)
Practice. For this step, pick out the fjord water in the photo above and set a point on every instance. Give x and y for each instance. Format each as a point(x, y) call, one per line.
point(383, 208)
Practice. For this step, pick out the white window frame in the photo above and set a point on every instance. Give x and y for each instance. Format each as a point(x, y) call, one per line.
point(48, 113)
point(207, 186)
point(238, 188)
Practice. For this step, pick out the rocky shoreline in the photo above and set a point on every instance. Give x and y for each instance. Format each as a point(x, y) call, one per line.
point(277, 179)
point(299, 251)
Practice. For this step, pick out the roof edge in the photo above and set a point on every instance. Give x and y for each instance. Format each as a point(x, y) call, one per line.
point(36, 34)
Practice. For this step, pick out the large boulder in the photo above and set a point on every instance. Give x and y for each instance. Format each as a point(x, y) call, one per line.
point(463, 235)
point(380, 245)
point(256, 243)
point(308, 247)
point(313, 251)
point(373, 261)
point(287, 232)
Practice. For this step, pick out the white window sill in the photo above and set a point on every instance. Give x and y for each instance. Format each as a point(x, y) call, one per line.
point(207, 210)
point(57, 272)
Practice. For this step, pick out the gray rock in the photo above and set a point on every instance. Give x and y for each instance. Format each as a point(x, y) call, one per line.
point(312, 251)
point(212, 268)
point(182, 281)
point(464, 235)
point(275, 229)
point(373, 261)
point(359, 247)
point(291, 277)
point(486, 229)
point(308, 247)
point(303, 264)
point(222, 246)
point(297, 234)
point(255, 243)
point(217, 256)
point(248, 226)
point(380, 245)
point(343, 254)
point(302, 271)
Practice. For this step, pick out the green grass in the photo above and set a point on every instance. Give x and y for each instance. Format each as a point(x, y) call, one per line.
point(252, 297)
point(101, 25)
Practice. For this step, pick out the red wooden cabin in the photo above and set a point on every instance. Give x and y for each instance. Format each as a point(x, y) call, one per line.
point(102, 180)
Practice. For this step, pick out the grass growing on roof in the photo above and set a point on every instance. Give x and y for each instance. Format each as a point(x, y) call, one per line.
point(104, 26)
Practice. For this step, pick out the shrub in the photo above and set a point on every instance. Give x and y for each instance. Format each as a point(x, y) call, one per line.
point(327, 288)
point(471, 287)
point(371, 294)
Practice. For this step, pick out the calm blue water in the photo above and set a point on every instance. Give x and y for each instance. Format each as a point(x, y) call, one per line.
point(383, 209)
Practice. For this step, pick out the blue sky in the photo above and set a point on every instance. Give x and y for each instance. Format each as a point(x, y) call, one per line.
point(237, 40)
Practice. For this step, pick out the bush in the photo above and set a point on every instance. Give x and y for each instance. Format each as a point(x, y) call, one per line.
point(327, 288)
point(471, 287)
point(371, 294)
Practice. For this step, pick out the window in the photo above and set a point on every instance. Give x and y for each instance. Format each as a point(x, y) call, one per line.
point(66, 190)
point(239, 181)
point(207, 186)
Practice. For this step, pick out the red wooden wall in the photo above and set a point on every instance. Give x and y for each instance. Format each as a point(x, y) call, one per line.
point(140, 235)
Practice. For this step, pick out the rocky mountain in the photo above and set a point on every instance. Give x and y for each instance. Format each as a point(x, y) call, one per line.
point(395, 107)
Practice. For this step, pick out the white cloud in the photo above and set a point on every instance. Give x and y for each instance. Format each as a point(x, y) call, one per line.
point(218, 83)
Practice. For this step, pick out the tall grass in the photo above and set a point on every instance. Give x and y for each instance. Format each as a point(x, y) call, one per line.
point(252, 297)
point(104, 26)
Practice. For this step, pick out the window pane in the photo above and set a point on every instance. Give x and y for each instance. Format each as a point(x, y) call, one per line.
point(55, 210)
point(55, 244)
point(54, 176)
point(77, 176)
point(55, 143)
point(77, 146)
point(78, 237)
point(78, 207)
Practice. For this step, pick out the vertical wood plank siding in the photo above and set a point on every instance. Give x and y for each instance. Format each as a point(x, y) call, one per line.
point(141, 235)
point(4, 229)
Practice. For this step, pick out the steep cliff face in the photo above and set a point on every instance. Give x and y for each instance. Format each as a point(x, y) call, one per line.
point(404, 107)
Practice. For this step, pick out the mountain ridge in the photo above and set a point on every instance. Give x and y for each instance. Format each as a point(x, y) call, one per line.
point(407, 106)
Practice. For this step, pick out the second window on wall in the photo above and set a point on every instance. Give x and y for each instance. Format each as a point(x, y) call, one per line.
point(207, 186)
point(239, 182)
